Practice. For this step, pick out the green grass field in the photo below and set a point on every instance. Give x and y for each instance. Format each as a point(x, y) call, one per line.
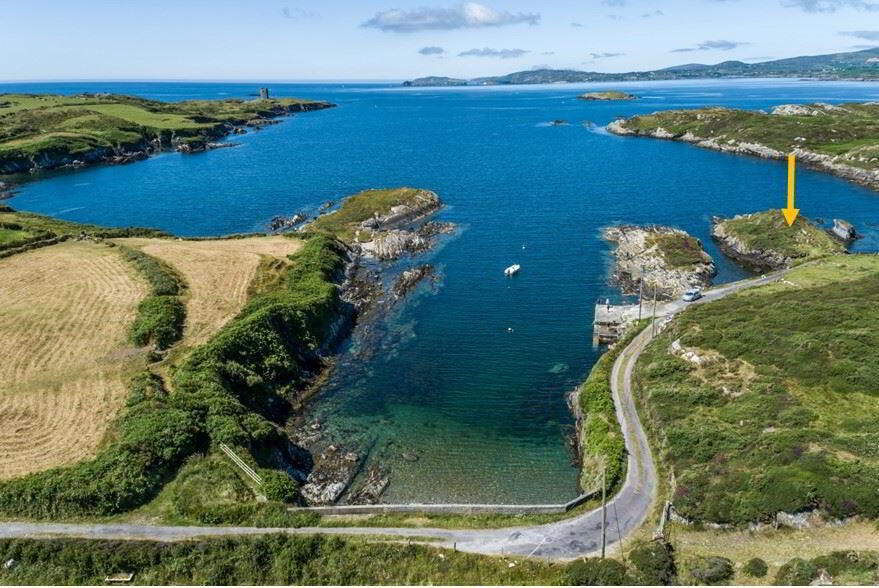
point(777, 413)
point(851, 132)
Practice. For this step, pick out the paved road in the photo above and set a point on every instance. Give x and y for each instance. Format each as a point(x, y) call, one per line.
point(563, 540)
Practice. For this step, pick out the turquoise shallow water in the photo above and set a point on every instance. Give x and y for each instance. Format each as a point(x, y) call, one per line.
point(480, 404)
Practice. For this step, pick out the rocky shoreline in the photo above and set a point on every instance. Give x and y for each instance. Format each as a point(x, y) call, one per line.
point(642, 257)
point(818, 161)
point(144, 147)
point(331, 469)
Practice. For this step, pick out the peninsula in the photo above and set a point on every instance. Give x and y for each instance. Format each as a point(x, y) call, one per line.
point(44, 131)
point(840, 139)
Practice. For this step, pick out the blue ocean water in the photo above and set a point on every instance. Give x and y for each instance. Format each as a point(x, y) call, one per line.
point(470, 376)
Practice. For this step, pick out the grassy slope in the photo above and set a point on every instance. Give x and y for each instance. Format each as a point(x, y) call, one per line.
point(344, 222)
point(780, 417)
point(32, 125)
point(852, 133)
point(273, 560)
point(768, 231)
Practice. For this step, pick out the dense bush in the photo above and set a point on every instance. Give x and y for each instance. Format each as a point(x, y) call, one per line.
point(796, 572)
point(162, 278)
point(597, 572)
point(224, 391)
point(278, 486)
point(159, 321)
point(265, 560)
point(654, 564)
point(710, 570)
point(756, 568)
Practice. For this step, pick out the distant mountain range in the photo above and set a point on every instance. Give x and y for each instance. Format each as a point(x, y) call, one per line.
point(857, 65)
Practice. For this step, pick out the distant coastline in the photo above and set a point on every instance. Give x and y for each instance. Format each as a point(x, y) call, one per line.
point(853, 66)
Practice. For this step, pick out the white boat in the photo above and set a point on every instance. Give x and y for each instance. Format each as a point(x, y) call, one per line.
point(512, 270)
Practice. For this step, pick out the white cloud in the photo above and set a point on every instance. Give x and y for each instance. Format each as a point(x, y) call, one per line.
point(469, 15)
point(432, 50)
point(712, 45)
point(830, 5)
point(499, 53)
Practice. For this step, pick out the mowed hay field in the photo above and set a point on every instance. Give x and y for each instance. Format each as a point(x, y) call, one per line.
point(218, 274)
point(64, 317)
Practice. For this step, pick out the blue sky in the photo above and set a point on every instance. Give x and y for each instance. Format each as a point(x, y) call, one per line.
point(400, 39)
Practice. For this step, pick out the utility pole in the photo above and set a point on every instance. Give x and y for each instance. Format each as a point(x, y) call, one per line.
point(653, 323)
point(603, 509)
point(640, 291)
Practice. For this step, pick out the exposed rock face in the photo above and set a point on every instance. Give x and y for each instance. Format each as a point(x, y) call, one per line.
point(734, 247)
point(396, 233)
point(818, 109)
point(835, 165)
point(411, 278)
point(642, 256)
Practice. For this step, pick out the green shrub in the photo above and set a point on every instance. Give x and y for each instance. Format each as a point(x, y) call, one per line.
point(756, 568)
point(796, 572)
point(278, 486)
point(654, 564)
point(596, 572)
point(710, 570)
point(162, 278)
point(159, 321)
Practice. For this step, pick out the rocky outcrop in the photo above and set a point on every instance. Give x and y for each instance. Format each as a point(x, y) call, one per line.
point(650, 257)
point(836, 165)
point(400, 231)
point(736, 248)
point(410, 278)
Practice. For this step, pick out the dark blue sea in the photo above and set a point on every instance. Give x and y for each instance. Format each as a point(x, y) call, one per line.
point(471, 375)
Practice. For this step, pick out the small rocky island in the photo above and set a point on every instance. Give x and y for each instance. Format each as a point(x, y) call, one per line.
point(665, 260)
point(610, 95)
point(764, 241)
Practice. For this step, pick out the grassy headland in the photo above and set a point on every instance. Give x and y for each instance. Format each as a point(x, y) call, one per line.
point(345, 223)
point(841, 139)
point(765, 240)
point(47, 131)
point(763, 401)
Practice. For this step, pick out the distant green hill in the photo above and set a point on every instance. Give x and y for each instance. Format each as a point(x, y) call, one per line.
point(835, 66)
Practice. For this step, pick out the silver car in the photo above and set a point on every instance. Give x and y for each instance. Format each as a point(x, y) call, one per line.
point(692, 295)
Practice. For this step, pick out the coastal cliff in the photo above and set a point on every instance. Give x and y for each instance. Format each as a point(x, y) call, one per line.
point(667, 261)
point(839, 139)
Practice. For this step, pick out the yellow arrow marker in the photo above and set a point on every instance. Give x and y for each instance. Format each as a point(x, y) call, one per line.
point(790, 213)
